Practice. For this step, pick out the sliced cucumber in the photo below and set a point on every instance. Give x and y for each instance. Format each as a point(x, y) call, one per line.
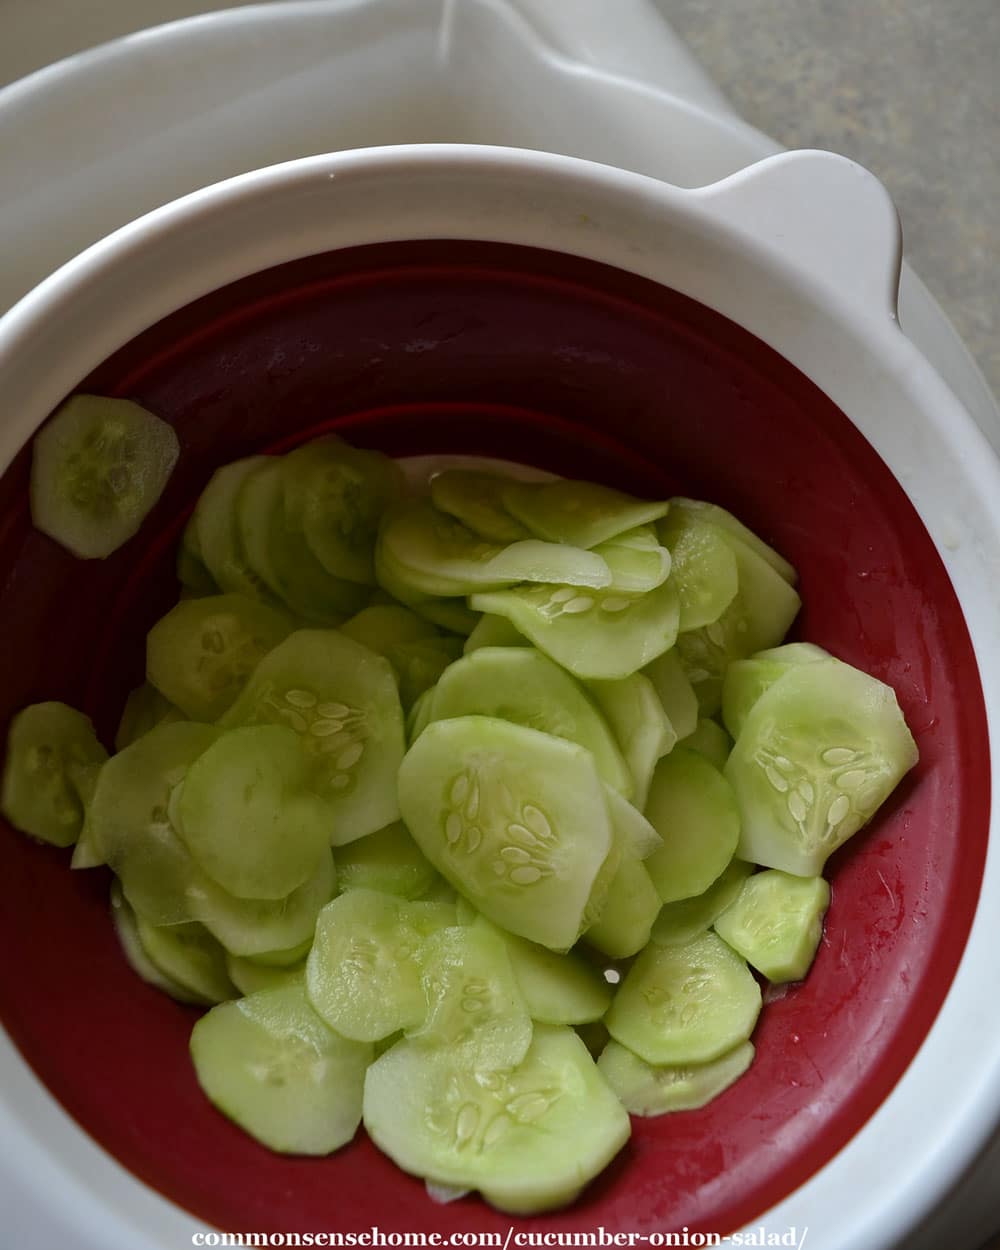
point(515, 819)
point(637, 561)
point(746, 680)
point(144, 709)
point(270, 1064)
point(776, 923)
point(419, 664)
point(676, 693)
point(127, 931)
point(710, 740)
point(188, 956)
point(633, 831)
point(694, 810)
point(818, 753)
point(581, 514)
point(419, 716)
point(85, 853)
point(494, 631)
point(50, 748)
point(383, 625)
point(682, 921)
point(287, 957)
point(388, 861)
point(476, 499)
point(631, 907)
point(249, 977)
point(98, 467)
point(685, 1004)
point(216, 534)
point(639, 724)
point(529, 1139)
point(736, 531)
point(703, 567)
point(648, 1089)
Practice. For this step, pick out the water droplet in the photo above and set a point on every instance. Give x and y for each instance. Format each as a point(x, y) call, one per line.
point(300, 698)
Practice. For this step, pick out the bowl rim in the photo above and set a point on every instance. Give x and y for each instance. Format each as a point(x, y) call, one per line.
point(861, 359)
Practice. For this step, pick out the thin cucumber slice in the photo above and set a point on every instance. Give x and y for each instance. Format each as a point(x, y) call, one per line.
point(704, 567)
point(759, 617)
point(127, 931)
point(746, 680)
point(494, 631)
point(188, 956)
point(776, 923)
point(819, 752)
point(594, 634)
point(681, 922)
point(335, 495)
point(271, 1065)
point(633, 831)
point(144, 709)
point(98, 467)
point(581, 514)
point(647, 1089)
point(557, 989)
point(419, 664)
point(631, 907)
point(476, 499)
point(475, 1009)
point(286, 957)
point(520, 685)
point(280, 555)
point(247, 816)
point(216, 533)
point(419, 716)
point(85, 853)
point(49, 746)
point(382, 625)
point(639, 724)
point(685, 1004)
point(676, 693)
point(388, 861)
point(363, 974)
point(529, 1139)
point(451, 614)
point(637, 561)
point(250, 977)
point(711, 740)
point(343, 702)
point(694, 810)
point(201, 653)
point(734, 529)
point(515, 819)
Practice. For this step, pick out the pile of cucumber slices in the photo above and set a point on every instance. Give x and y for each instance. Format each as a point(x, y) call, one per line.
point(579, 794)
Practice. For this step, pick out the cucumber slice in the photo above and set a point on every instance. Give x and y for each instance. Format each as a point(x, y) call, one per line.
point(271, 1065)
point(363, 974)
point(188, 956)
point(685, 1004)
point(746, 680)
point(515, 819)
point(250, 977)
point(380, 626)
point(342, 700)
point(388, 861)
point(631, 907)
point(594, 634)
point(681, 922)
point(98, 467)
point(418, 665)
point(704, 567)
point(529, 1139)
point(639, 724)
point(216, 533)
point(710, 740)
point(637, 561)
point(335, 495)
point(287, 956)
point(694, 810)
point(419, 716)
point(201, 653)
point(85, 853)
point(734, 530)
point(476, 499)
point(581, 514)
point(247, 817)
point(520, 685)
point(144, 709)
point(280, 555)
point(647, 1089)
point(819, 752)
point(127, 931)
point(474, 1009)
point(635, 834)
point(494, 631)
point(759, 617)
point(557, 989)
point(50, 748)
point(676, 693)
point(451, 614)
point(776, 923)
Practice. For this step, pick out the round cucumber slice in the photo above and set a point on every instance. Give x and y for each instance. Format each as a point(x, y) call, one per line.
point(418, 665)
point(639, 724)
point(419, 716)
point(655, 1089)
point(127, 931)
point(694, 810)
point(286, 957)
point(734, 530)
point(188, 956)
point(685, 1004)
point(710, 740)
point(388, 861)
point(201, 653)
point(342, 701)
point(520, 685)
point(270, 1064)
point(144, 709)
point(704, 567)
point(98, 467)
point(776, 923)
point(528, 1138)
point(637, 837)
point(50, 749)
point(515, 819)
point(631, 907)
point(247, 816)
point(682, 921)
point(214, 525)
point(494, 631)
point(382, 625)
point(637, 561)
point(476, 499)
point(594, 634)
point(746, 680)
point(582, 514)
point(818, 753)
point(250, 977)
point(676, 693)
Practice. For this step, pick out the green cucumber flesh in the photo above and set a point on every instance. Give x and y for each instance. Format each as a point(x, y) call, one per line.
point(144, 709)
point(680, 703)
point(217, 534)
point(684, 920)
point(655, 1089)
point(383, 625)
point(746, 680)
point(776, 923)
point(494, 631)
point(639, 724)
point(188, 956)
point(581, 514)
point(637, 561)
point(249, 976)
point(127, 932)
point(630, 909)
point(387, 861)
point(734, 530)
point(710, 740)
point(475, 499)
point(703, 567)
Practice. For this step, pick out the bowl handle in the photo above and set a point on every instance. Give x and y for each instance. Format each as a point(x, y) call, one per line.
point(825, 218)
